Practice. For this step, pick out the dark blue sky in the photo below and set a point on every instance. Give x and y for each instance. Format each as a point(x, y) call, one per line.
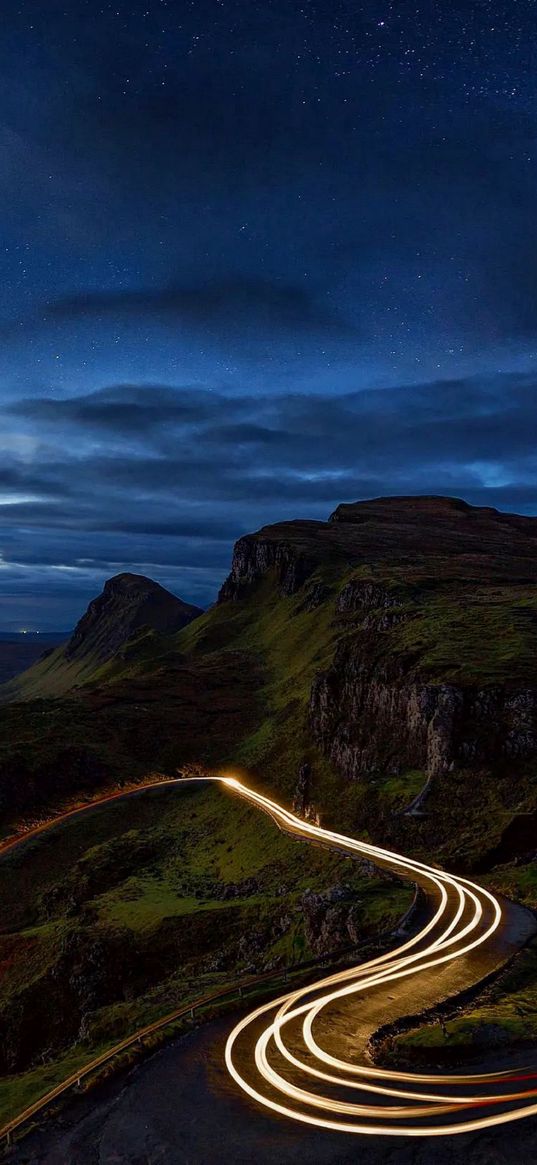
point(256, 260)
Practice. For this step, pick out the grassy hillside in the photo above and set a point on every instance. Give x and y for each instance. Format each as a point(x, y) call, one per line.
point(118, 917)
point(234, 686)
point(377, 612)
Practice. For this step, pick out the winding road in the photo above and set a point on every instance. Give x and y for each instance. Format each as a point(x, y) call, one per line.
point(297, 1030)
point(304, 1057)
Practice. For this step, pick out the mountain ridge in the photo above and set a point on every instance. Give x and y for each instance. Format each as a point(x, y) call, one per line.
point(389, 529)
point(389, 648)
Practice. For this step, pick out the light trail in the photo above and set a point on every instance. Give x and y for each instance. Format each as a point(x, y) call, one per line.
point(258, 1052)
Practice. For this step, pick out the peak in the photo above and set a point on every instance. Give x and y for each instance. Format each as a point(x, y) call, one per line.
point(127, 577)
point(398, 530)
point(413, 505)
point(127, 603)
point(130, 582)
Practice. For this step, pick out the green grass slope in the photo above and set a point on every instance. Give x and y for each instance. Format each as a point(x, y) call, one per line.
point(121, 916)
point(453, 599)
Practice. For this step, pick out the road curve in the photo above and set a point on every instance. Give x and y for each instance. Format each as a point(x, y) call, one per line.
point(287, 1055)
point(280, 1054)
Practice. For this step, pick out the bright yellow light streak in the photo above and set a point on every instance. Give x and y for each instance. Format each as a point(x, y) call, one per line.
point(466, 916)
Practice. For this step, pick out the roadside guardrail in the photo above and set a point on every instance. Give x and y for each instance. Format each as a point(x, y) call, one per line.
point(236, 989)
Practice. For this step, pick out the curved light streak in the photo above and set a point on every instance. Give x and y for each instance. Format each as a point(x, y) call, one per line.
point(264, 1066)
point(465, 917)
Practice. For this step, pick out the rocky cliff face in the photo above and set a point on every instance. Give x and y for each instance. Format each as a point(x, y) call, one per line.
point(127, 603)
point(369, 716)
point(382, 706)
point(254, 556)
point(368, 721)
point(333, 919)
point(407, 640)
point(470, 541)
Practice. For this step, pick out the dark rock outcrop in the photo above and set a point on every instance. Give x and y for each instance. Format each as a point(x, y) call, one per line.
point(127, 603)
point(301, 798)
point(359, 596)
point(378, 608)
point(255, 556)
point(477, 541)
point(332, 919)
point(368, 720)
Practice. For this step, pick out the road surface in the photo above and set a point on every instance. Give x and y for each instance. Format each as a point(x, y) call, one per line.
point(180, 1108)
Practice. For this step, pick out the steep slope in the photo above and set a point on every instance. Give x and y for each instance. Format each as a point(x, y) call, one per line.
point(349, 662)
point(351, 665)
point(440, 537)
point(128, 604)
point(433, 627)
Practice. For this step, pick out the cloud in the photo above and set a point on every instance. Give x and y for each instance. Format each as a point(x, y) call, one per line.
point(169, 477)
point(122, 408)
point(232, 306)
point(158, 440)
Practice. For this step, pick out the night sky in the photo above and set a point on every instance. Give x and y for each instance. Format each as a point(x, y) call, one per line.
point(257, 259)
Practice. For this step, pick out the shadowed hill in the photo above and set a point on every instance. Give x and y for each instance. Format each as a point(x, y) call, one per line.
point(128, 605)
point(128, 602)
point(441, 536)
point(393, 644)
point(384, 659)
